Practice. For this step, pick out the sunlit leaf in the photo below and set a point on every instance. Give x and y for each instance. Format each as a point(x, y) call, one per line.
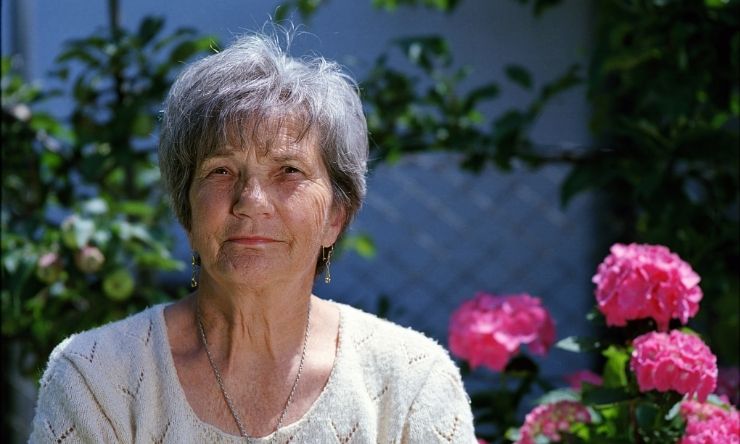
point(578, 344)
point(615, 369)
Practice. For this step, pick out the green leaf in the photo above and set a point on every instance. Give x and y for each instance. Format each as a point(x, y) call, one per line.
point(80, 54)
point(45, 122)
point(646, 414)
point(615, 369)
point(153, 260)
point(716, 3)
point(148, 29)
point(118, 285)
point(519, 75)
point(362, 244)
point(563, 394)
point(142, 125)
point(571, 77)
point(185, 50)
point(426, 51)
point(485, 92)
point(136, 208)
point(540, 6)
point(513, 434)
point(604, 395)
point(586, 177)
point(128, 231)
point(82, 232)
point(674, 411)
point(578, 344)
point(95, 206)
point(392, 5)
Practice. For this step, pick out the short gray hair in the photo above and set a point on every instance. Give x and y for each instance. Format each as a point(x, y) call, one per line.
point(244, 86)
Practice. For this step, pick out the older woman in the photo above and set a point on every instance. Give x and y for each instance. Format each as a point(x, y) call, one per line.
point(264, 158)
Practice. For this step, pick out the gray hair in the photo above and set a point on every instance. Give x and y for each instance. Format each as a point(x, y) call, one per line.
point(250, 84)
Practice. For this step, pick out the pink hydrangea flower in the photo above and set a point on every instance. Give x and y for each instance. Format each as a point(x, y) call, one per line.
point(674, 361)
point(549, 420)
point(488, 330)
point(646, 281)
point(728, 384)
point(707, 423)
point(576, 379)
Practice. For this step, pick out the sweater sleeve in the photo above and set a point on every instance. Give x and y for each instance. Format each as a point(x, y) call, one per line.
point(67, 411)
point(441, 410)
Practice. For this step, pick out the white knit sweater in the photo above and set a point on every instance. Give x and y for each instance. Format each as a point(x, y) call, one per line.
point(118, 383)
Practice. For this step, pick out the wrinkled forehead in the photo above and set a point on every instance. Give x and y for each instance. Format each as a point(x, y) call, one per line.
point(267, 134)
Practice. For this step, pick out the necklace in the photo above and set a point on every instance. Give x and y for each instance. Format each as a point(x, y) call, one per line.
point(219, 379)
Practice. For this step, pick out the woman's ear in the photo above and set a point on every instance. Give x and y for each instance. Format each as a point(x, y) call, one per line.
point(337, 218)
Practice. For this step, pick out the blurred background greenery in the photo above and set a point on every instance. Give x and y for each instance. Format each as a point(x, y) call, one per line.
point(84, 222)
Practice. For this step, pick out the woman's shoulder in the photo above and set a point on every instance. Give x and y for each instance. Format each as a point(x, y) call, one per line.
point(94, 379)
point(386, 347)
point(110, 345)
point(411, 379)
point(372, 333)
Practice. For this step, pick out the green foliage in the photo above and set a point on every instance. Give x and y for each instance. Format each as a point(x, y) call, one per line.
point(430, 111)
point(496, 408)
point(664, 90)
point(84, 231)
point(306, 8)
point(620, 413)
point(540, 6)
point(440, 5)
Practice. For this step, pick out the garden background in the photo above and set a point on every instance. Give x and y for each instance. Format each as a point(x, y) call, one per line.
point(513, 140)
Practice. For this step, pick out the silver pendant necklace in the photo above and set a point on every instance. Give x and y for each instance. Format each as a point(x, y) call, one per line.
point(219, 379)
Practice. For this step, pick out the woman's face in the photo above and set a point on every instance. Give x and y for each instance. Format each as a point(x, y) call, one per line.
point(262, 215)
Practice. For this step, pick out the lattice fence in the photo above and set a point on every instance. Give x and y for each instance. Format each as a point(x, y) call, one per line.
point(441, 234)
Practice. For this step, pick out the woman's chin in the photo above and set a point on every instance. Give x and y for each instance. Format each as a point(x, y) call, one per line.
point(251, 271)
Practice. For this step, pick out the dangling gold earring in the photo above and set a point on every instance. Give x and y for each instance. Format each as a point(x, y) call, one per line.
point(194, 264)
point(326, 257)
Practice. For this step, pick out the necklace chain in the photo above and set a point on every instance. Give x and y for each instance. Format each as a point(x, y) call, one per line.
point(219, 379)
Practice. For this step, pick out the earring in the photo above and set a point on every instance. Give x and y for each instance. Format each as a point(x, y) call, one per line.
point(326, 257)
point(195, 262)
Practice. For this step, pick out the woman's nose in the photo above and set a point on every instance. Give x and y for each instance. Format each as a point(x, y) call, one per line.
point(252, 198)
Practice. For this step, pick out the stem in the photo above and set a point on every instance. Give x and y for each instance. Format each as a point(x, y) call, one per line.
point(120, 141)
point(524, 385)
point(633, 420)
point(114, 18)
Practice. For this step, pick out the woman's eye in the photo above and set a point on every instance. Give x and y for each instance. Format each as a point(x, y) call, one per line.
point(220, 171)
point(290, 170)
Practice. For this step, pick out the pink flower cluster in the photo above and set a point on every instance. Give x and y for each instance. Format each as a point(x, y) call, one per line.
point(646, 281)
point(488, 330)
point(549, 420)
point(576, 380)
point(674, 361)
point(710, 424)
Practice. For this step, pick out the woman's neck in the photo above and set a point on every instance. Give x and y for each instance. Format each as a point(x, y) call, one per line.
point(266, 325)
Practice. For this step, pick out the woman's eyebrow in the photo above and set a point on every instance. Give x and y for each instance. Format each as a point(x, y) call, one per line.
point(220, 152)
point(288, 156)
